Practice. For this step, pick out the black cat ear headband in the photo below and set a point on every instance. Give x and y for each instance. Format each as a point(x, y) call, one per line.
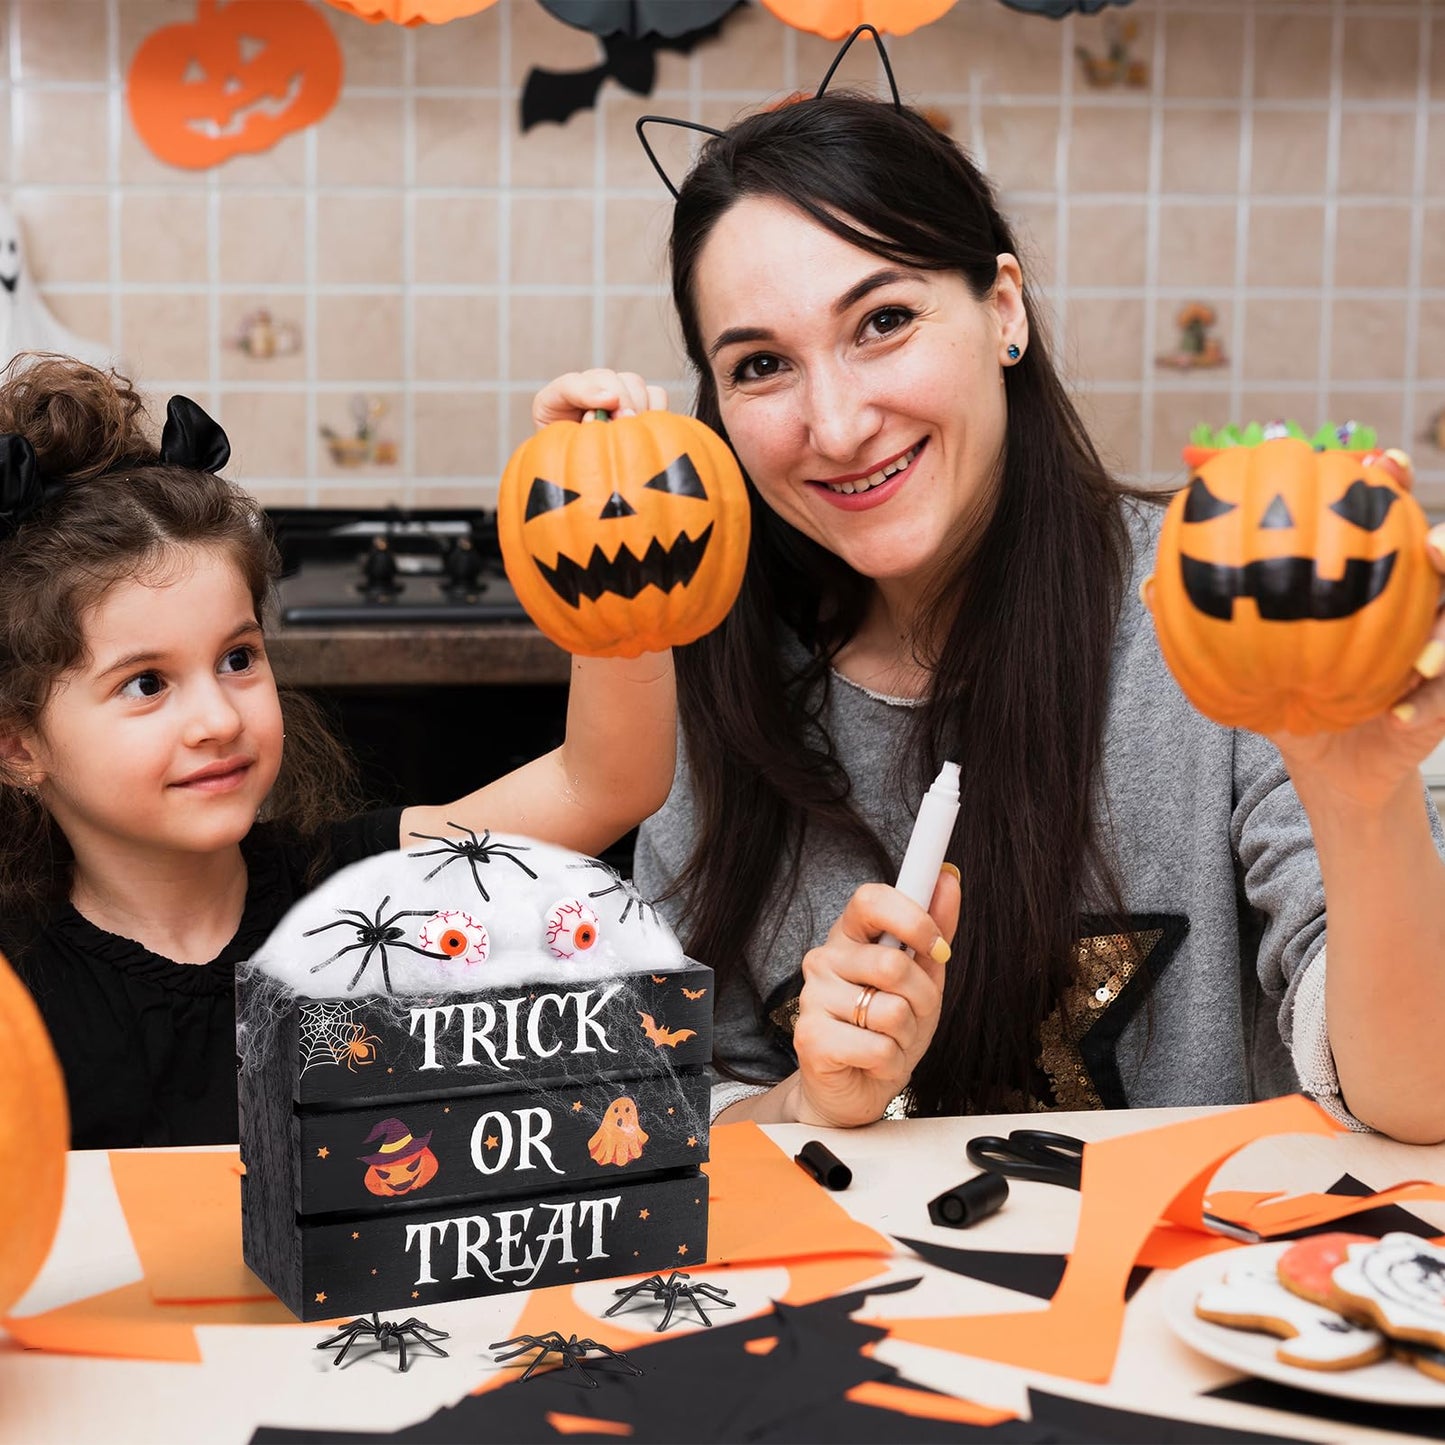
point(710, 130)
point(190, 439)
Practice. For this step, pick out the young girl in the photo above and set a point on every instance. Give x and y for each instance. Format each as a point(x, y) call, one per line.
point(161, 804)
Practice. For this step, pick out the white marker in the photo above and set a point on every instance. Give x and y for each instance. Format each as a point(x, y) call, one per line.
point(928, 843)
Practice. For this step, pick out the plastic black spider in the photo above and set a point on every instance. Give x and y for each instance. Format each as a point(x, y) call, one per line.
point(384, 1332)
point(570, 1352)
point(625, 886)
point(373, 934)
point(674, 1289)
point(475, 850)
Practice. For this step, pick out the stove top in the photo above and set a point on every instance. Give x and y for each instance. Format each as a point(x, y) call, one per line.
point(390, 567)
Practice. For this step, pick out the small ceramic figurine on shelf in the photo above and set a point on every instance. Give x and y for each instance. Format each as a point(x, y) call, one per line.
point(1196, 347)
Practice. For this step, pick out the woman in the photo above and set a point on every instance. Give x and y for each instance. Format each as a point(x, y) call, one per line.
point(942, 569)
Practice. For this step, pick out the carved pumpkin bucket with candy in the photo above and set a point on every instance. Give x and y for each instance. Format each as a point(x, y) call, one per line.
point(1292, 590)
point(624, 535)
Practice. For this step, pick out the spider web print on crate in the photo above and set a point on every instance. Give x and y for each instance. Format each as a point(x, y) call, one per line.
point(470, 1066)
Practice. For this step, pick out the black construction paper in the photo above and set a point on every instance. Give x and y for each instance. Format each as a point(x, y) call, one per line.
point(1031, 1274)
point(1377, 1222)
point(1057, 9)
point(1088, 1420)
point(1427, 1424)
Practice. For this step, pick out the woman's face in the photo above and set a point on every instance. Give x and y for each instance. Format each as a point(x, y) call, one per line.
point(864, 399)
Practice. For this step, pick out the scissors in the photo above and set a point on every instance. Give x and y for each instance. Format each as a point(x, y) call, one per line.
point(1049, 1158)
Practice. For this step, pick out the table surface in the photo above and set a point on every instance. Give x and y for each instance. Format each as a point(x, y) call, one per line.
point(897, 1167)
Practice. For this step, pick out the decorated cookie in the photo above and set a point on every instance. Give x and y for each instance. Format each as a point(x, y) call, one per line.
point(1311, 1336)
point(1305, 1268)
point(1398, 1284)
point(1428, 1361)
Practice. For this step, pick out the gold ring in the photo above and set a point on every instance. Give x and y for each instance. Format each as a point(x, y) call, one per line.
point(860, 1009)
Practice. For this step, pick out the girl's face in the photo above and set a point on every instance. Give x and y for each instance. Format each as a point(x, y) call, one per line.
point(863, 398)
point(167, 738)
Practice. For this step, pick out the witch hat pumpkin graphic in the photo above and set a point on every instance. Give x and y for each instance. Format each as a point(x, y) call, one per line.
point(401, 1163)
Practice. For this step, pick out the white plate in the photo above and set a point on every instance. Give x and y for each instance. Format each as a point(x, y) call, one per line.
point(1387, 1383)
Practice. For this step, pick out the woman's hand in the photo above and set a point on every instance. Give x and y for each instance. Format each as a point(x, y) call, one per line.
point(1365, 766)
point(868, 1011)
point(573, 396)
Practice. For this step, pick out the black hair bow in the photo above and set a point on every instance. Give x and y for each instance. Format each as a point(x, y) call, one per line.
point(190, 439)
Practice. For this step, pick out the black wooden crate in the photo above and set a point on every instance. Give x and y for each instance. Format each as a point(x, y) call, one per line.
point(402, 1111)
point(406, 1258)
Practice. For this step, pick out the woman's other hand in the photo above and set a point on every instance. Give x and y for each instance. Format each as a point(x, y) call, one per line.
point(868, 1011)
point(572, 396)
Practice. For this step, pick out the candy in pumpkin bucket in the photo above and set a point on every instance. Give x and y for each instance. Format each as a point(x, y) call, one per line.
point(1292, 590)
point(34, 1135)
point(624, 535)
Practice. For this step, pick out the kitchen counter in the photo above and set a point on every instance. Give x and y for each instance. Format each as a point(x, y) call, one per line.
point(414, 655)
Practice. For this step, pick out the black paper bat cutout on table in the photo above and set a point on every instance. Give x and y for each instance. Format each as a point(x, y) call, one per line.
point(630, 54)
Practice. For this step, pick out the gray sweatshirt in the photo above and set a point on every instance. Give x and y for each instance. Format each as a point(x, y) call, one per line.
point(1217, 867)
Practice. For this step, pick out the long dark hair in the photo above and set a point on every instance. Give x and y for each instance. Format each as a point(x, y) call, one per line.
point(1024, 624)
point(117, 511)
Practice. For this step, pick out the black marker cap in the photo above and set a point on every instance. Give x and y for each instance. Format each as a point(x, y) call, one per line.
point(824, 1165)
point(967, 1203)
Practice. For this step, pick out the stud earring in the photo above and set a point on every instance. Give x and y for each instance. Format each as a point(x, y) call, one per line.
point(1013, 352)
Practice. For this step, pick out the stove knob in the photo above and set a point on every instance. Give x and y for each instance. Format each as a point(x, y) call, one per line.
point(378, 573)
point(463, 567)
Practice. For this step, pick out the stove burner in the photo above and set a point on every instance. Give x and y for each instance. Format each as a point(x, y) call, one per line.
point(387, 567)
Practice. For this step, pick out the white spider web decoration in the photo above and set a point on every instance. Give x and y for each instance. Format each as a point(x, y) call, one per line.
point(326, 1030)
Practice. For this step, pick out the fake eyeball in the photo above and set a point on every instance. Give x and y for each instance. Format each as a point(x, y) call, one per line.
point(571, 928)
point(457, 935)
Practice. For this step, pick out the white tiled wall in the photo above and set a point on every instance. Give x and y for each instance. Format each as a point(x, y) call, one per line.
point(1285, 163)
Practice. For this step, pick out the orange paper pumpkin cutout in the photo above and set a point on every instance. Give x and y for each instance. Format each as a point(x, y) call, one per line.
point(34, 1135)
point(411, 12)
point(834, 19)
point(236, 80)
point(624, 536)
point(1291, 589)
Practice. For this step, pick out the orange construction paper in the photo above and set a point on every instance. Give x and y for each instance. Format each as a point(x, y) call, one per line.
point(128, 1324)
point(764, 1207)
point(1273, 1214)
point(1129, 1184)
point(184, 1213)
point(233, 81)
point(924, 1404)
point(585, 1425)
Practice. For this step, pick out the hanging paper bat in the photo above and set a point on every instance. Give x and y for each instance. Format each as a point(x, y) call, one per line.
point(1057, 9)
point(630, 60)
point(693, 992)
point(664, 1037)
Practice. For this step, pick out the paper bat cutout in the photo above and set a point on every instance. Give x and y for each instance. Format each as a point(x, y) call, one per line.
point(693, 992)
point(671, 1038)
point(1057, 9)
point(557, 95)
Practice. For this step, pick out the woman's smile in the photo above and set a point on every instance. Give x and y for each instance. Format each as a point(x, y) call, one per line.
point(859, 492)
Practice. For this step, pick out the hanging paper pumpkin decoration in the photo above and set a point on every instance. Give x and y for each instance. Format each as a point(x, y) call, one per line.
point(624, 536)
point(34, 1135)
point(834, 19)
point(411, 12)
point(234, 81)
point(1292, 590)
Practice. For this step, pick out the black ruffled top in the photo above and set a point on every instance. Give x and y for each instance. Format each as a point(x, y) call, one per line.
point(148, 1046)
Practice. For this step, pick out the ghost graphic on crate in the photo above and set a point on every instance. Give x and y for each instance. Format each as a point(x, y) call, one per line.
point(25, 321)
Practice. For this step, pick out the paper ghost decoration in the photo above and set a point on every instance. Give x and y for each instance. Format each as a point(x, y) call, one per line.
point(25, 321)
point(619, 1137)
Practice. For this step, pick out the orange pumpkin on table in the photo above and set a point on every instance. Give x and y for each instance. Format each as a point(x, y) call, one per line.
point(34, 1135)
point(627, 535)
point(1292, 590)
point(236, 80)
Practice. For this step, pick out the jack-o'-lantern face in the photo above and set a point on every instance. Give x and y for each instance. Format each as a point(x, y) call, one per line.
point(624, 536)
point(1292, 588)
point(403, 1176)
point(236, 80)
